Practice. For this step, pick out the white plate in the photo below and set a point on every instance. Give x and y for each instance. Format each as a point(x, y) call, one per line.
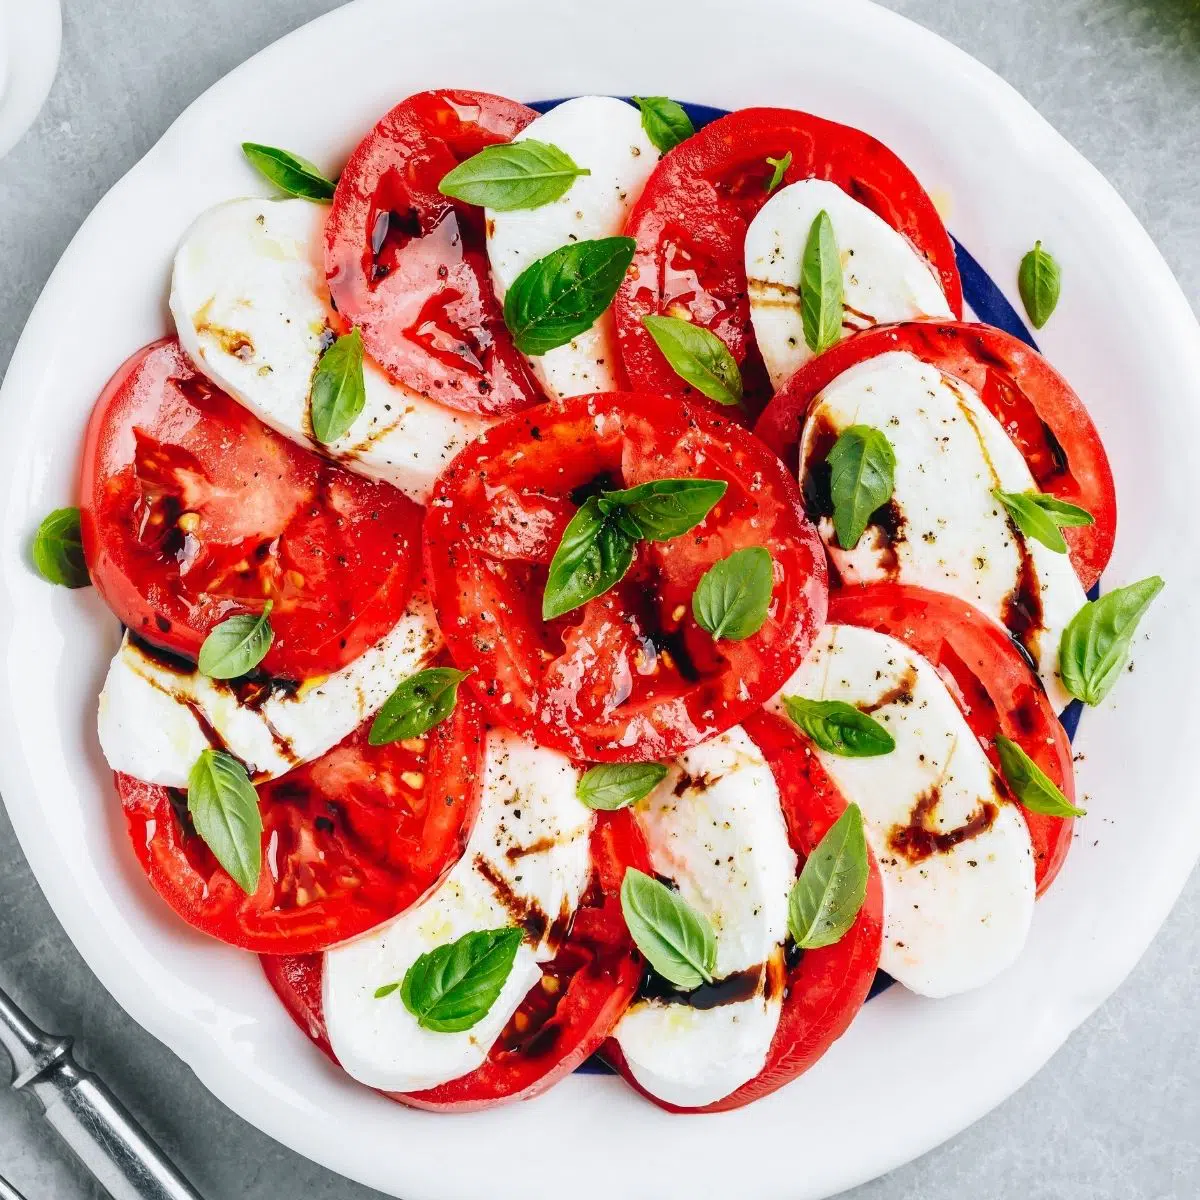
point(910, 1073)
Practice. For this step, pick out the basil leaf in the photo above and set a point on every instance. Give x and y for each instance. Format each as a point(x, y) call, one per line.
point(1033, 788)
point(664, 508)
point(617, 785)
point(594, 554)
point(58, 549)
point(1095, 644)
point(418, 704)
point(1039, 280)
point(862, 477)
point(560, 296)
point(665, 122)
point(1032, 520)
point(237, 646)
point(733, 595)
point(1064, 515)
point(452, 987)
point(223, 806)
point(698, 357)
point(338, 390)
point(382, 993)
point(826, 899)
point(821, 286)
point(781, 166)
point(513, 175)
point(289, 172)
point(676, 940)
point(839, 728)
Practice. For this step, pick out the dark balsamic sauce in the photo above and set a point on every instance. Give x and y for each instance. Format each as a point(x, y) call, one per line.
point(741, 985)
point(918, 841)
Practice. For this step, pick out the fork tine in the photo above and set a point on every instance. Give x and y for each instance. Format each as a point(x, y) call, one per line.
point(8, 1192)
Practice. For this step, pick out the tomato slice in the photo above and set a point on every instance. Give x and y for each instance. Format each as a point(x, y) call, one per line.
point(990, 680)
point(350, 839)
point(1045, 419)
point(194, 511)
point(690, 226)
point(562, 1021)
point(408, 265)
point(630, 676)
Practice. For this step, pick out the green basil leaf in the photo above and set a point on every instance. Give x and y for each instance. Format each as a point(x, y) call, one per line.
point(665, 122)
point(58, 549)
point(826, 899)
point(513, 175)
point(237, 646)
point(1040, 283)
point(1033, 788)
point(664, 508)
point(698, 357)
point(1064, 515)
point(338, 389)
point(1032, 520)
point(1095, 644)
point(382, 993)
point(452, 987)
point(676, 940)
point(839, 728)
point(617, 785)
point(289, 172)
point(821, 286)
point(560, 296)
point(594, 554)
point(419, 703)
point(733, 595)
point(223, 806)
point(862, 477)
point(781, 166)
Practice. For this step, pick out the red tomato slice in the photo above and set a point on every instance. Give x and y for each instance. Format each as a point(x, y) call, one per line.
point(825, 988)
point(562, 1021)
point(194, 511)
point(630, 676)
point(349, 840)
point(991, 681)
point(1044, 417)
point(408, 266)
point(690, 226)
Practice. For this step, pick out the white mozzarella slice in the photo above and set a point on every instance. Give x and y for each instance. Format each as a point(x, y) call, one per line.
point(527, 863)
point(715, 829)
point(955, 918)
point(953, 536)
point(250, 304)
point(883, 277)
point(605, 136)
point(154, 719)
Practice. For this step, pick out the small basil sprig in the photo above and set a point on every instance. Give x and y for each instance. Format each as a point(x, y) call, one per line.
point(827, 897)
point(223, 806)
point(58, 549)
point(676, 940)
point(598, 543)
point(733, 595)
point(1039, 280)
point(452, 987)
point(862, 466)
point(289, 172)
point(1033, 788)
point(1095, 644)
point(513, 175)
point(560, 296)
point(1040, 516)
point(339, 390)
point(237, 645)
point(665, 122)
point(839, 728)
point(780, 166)
point(821, 286)
point(698, 357)
point(617, 785)
point(418, 704)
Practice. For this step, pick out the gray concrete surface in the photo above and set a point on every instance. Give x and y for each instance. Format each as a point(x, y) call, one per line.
point(1116, 1113)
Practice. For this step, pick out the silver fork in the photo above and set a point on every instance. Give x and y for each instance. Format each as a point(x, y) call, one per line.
point(8, 1192)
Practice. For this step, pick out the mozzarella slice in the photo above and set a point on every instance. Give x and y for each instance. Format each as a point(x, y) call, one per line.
point(605, 136)
point(715, 829)
point(156, 718)
point(250, 304)
point(883, 277)
point(956, 916)
point(945, 529)
point(527, 863)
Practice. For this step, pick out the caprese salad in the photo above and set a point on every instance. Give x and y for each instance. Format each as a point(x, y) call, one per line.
point(586, 587)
